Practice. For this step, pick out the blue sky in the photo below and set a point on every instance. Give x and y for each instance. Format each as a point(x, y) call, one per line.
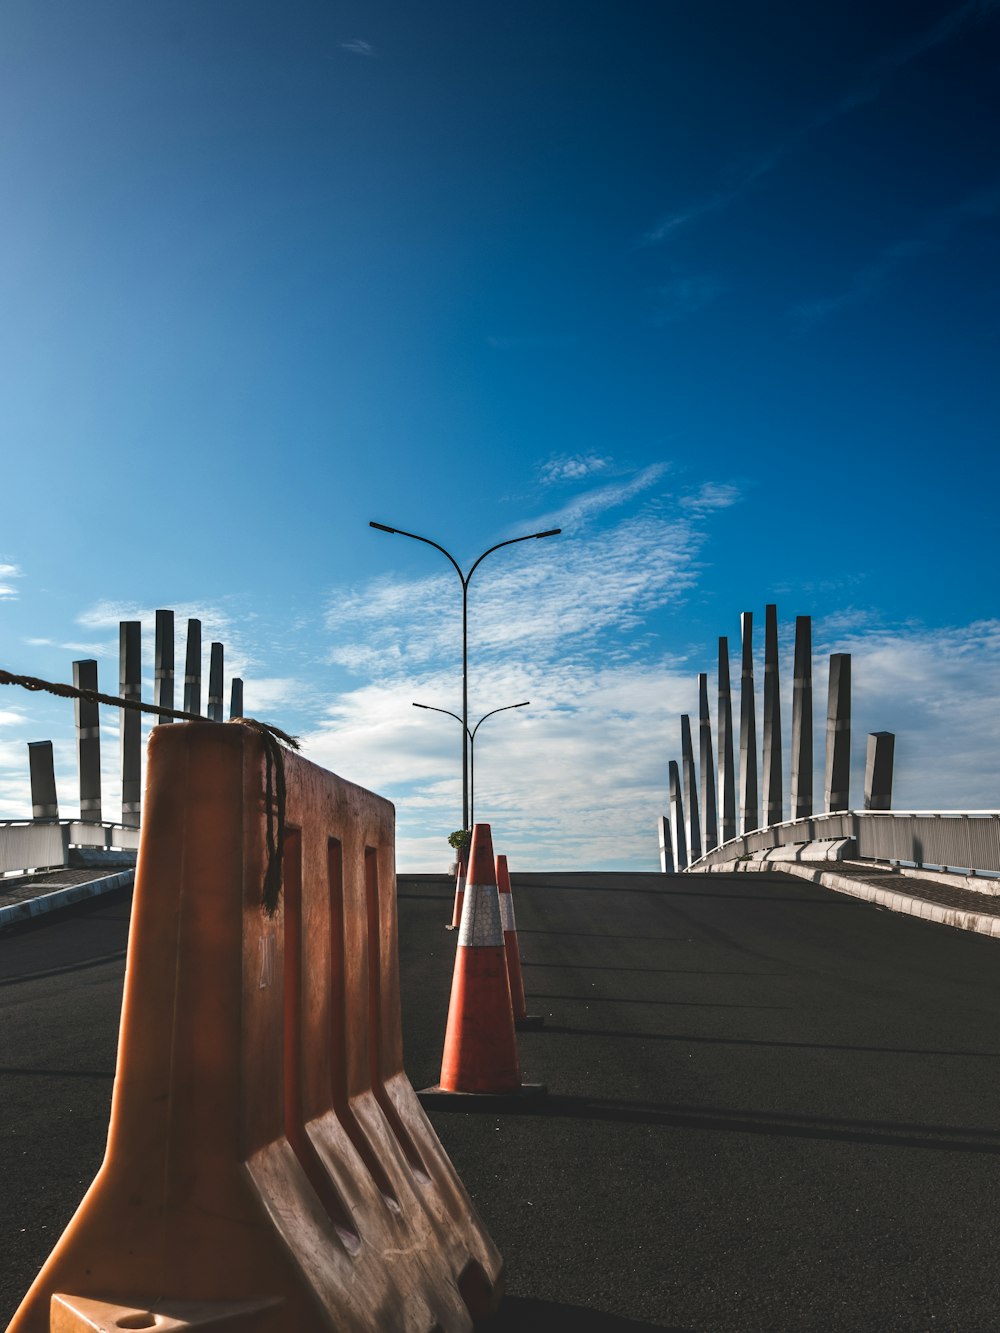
point(714, 287)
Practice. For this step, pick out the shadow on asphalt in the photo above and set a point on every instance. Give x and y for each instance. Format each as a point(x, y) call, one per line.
point(522, 1314)
point(949, 1138)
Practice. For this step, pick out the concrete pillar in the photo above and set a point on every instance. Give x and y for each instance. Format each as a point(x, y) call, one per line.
point(130, 680)
point(693, 825)
point(802, 721)
point(88, 742)
point(727, 769)
point(666, 845)
point(749, 810)
point(706, 760)
point(215, 678)
point(236, 698)
point(44, 802)
point(163, 663)
point(677, 817)
point(878, 770)
point(192, 669)
point(837, 788)
point(773, 798)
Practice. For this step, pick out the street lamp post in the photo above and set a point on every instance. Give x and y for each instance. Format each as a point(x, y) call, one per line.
point(465, 580)
point(472, 743)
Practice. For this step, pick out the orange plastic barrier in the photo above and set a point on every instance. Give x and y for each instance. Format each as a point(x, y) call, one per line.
point(522, 1019)
point(269, 1168)
point(461, 871)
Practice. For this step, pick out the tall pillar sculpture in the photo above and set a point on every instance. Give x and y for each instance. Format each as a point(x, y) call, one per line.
point(837, 787)
point(878, 770)
point(236, 698)
point(215, 677)
point(749, 810)
point(706, 761)
point(41, 765)
point(163, 663)
point(773, 801)
point(677, 817)
point(727, 769)
point(192, 668)
point(693, 825)
point(666, 845)
point(88, 742)
point(130, 679)
point(802, 721)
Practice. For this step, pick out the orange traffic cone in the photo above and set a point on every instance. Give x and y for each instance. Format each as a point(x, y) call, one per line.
point(480, 1045)
point(460, 875)
point(522, 1019)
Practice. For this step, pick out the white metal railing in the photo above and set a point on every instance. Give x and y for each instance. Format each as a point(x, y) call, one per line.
point(948, 839)
point(27, 844)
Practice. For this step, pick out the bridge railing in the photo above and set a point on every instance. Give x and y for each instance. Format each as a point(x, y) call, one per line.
point(943, 839)
point(32, 844)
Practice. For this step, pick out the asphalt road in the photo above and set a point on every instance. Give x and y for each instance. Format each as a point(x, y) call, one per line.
point(771, 1107)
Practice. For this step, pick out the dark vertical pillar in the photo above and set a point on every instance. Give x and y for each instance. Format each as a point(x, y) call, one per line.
point(837, 788)
point(693, 826)
point(215, 679)
point(236, 698)
point(130, 681)
point(192, 669)
point(727, 768)
point(749, 810)
point(706, 761)
point(88, 742)
point(773, 799)
point(802, 721)
point(163, 663)
point(677, 817)
point(666, 846)
point(44, 802)
point(878, 770)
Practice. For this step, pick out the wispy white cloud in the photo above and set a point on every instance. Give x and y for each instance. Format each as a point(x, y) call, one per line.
point(744, 176)
point(870, 280)
point(358, 47)
point(8, 586)
point(711, 496)
point(572, 467)
point(583, 508)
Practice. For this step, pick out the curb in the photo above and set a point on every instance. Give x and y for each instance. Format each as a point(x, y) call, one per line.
point(75, 893)
point(890, 898)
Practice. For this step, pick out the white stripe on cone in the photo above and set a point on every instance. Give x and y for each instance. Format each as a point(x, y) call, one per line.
point(507, 911)
point(481, 917)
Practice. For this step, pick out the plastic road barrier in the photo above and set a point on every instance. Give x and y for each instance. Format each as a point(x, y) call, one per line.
point(269, 1167)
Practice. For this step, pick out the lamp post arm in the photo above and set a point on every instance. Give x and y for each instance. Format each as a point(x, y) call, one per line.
point(427, 542)
point(531, 536)
point(495, 710)
point(448, 713)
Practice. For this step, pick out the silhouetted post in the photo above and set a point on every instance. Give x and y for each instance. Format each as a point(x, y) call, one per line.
point(772, 721)
point(192, 669)
point(693, 826)
point(727, 770)
point(837, 788)
point(706, 761)
point(666, 846)
point(130, 679)
point(802, 721)
point(44, 802)
point(236, 698)
point(88, 742)
point(749, 811)
point(215, 679)
point(677, 817)
point(878, 770)
point(163, 663)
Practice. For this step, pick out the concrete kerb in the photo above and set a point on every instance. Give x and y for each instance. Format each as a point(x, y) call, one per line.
point(13, 913)
point(892, 899)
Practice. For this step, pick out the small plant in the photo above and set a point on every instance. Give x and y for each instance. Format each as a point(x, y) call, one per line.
point(460, 838)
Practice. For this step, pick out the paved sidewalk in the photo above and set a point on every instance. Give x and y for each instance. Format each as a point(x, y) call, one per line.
point(25, 896)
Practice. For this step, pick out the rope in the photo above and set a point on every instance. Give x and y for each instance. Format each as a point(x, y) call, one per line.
point(274, 740)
